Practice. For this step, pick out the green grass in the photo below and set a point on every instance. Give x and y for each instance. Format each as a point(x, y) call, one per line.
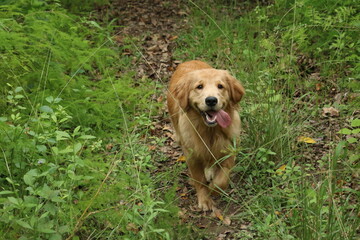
point(75, 131)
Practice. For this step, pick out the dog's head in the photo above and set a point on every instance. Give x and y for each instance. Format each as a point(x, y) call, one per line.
point(210, 92)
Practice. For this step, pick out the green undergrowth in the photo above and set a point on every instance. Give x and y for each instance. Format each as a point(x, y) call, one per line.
point(294, 59)
point(74, 132)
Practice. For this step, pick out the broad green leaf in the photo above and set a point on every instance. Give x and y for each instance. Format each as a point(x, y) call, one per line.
point(57, 100)
point(266, 151)
point(77, 147)
point(57, 199)
point(56, 236)
point(45, 229)
point(76, 130)
point(13, 200)
point(23, 224)
point(55, 150)
point(68, 149)
point(54, 118)
point(46, 192)
point(356, 131)
point(44, 215)
point(10, 180)
point(345, 131)
point(6, 192)
point(34, 219)
point(3, 119)
point(18, 89)
point(49, 99)
point(355, 123)
point(87, 137)
point(95, 24)
point(46, 109)
point(61, 135)
point(32, 199)
point(64, 229)
point(351, 140)
point(41, 148)
point(30, 177)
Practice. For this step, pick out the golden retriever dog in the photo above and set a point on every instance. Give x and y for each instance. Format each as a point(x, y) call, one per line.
point(202, 103)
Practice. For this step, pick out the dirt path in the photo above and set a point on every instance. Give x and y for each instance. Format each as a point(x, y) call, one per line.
point(155, 25)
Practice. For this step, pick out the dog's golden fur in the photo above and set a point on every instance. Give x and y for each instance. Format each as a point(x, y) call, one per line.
point(203, 141)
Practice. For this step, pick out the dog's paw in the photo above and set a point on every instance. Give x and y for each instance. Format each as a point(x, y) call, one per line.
point(205, 203)
point(209, 174)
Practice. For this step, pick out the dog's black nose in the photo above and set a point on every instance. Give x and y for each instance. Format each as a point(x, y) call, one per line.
point(211, 101)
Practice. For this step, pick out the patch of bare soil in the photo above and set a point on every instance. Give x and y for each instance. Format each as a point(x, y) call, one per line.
point(154, 25)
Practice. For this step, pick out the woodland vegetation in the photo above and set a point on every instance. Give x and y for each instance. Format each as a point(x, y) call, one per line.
point(86, 147)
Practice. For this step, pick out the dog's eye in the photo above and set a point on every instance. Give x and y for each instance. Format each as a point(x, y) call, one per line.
point(220, 86)
point(200, 86)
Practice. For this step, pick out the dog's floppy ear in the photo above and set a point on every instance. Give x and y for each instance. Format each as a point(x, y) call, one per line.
point(236, 91)
point(181, 94)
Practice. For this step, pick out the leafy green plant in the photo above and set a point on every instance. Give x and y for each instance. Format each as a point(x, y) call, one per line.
point(351, 133)
point(40, 155)
point(61, 88)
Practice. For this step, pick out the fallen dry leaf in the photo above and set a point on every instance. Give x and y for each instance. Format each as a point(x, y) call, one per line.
point(181, 159)
point(182, 213)
point(330, 112)
point(152, 147)
point(227, 221)
point(132, 227)
point(221, 236)
point(306, 139)
point(340, 182)
point(160, 99)
point(167, 127)
point(183, 196)
point(218, 214)
point(172, 38)
point(318, 86)
point(244, 227)
point(109, 146)
point(281, 169)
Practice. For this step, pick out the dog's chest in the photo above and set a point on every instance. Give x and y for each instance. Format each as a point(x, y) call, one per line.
point(207, 143)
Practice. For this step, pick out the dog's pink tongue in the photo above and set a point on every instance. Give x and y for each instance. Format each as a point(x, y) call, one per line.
point(223, 118)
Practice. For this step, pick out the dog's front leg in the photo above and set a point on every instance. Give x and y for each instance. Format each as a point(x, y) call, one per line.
point(197, 173)
point(222, 176)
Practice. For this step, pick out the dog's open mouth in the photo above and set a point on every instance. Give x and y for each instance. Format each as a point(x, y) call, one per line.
point(212, 118)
